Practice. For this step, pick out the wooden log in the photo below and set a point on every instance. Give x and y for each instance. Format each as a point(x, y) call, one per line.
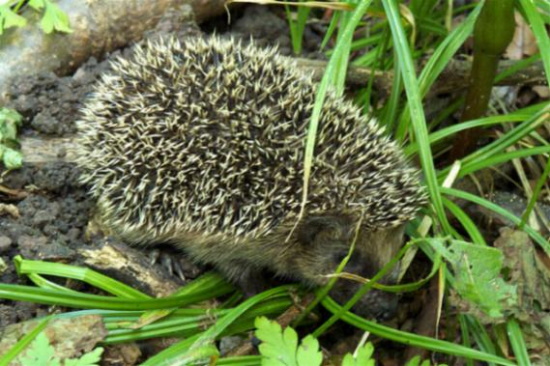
point(37, 150)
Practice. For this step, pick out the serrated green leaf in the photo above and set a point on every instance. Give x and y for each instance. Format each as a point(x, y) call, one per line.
point(290, 338)
point(280, 348)
point(36, 4)
point(7, 114)
point(9, 18)
point(348, 360)
point(308, 352)
point(364, 355)
point(12, 159)
point(54, 19)
point(363, 358)
point(89, 359)
point(39, 353)
point(9, 120)
point(415, 361)
point(477, 273)
point(274, 348)
point(8, 131)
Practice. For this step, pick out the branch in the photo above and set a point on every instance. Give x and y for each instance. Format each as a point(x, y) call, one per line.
point(453, 78)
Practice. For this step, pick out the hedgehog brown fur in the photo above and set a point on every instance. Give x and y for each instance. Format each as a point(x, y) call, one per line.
point(202, 144)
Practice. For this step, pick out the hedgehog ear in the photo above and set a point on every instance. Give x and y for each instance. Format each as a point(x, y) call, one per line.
point(314, 226)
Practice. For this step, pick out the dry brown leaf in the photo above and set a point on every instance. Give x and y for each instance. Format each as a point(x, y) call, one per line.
point(523, 43)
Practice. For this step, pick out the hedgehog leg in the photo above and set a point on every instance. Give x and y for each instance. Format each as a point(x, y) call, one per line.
point(250, 279)
point(175, 263)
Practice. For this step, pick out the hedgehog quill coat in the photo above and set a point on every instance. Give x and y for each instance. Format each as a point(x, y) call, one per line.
point(202, 144)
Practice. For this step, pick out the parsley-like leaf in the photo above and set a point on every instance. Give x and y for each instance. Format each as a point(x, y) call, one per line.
point(9, 145)
point(89, 359)
point(363, 357)
point(280, 348)
point(40, 353)
point(53, 19)
point(9, 18)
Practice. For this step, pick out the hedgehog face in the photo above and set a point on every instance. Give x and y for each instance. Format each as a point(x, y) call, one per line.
point(326, 241)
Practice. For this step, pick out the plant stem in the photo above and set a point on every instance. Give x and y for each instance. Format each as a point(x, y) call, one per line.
point(493, 32)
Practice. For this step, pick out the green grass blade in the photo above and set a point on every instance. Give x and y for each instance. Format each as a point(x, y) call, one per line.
point(414, 340)
point(334, 65)
point(518, 116)
point(24, 342)
point(465, 221)
point(473, 166)
point(517, 342)
point(499, 210)
point(536, 193)
point(209, 290)
point(25, 266)
point(182, 350)
point(417, 113)
point(436, 64)
point(534, 19)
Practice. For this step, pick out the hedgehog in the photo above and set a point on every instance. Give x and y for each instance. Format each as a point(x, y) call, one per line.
point(200, 143)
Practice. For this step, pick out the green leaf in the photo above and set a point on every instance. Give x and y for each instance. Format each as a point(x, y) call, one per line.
point(40, 353)
point(10, 115)
point(8, 132)
point(12, 159)
point(363, 358)
point(415, 361)
point(276, 348)
point(9, 18)
point(54, 19)
point(37, 4)
point(477, 274)
point(89, 359)
point(308, 352)
point(364, 355)
point(9, 120)
point(280, 348)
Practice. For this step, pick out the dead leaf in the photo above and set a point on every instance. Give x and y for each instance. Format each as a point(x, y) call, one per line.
point(523, 43)
point(9, 209)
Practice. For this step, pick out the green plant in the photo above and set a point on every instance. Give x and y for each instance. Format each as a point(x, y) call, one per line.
point(53, 18)
point(9, 144)
point(41, 352)
point(280, 347)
